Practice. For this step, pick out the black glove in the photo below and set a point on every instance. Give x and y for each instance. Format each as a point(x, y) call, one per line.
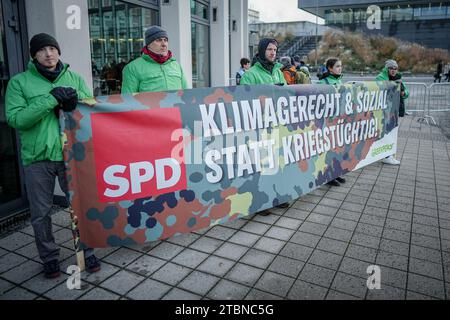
point(63, 94)
point(70, 104)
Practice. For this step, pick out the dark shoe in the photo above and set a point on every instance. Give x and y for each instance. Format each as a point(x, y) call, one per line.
point(283, 205)
point(264, 213)
point(92, 264)
point(51, 269)
point(334, 183)
point(340, 180)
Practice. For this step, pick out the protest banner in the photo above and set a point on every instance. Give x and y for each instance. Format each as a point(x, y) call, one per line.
point(149, 166)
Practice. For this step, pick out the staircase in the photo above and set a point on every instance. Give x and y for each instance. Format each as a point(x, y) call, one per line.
point(301, 46)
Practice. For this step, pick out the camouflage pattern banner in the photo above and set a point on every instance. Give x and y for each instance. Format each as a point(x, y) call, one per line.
point(150, 166)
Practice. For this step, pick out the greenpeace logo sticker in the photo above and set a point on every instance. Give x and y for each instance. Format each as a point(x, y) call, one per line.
point(131, 160)
point(382, 149)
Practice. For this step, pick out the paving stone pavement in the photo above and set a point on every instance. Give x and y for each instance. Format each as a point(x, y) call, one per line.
point(395, 217)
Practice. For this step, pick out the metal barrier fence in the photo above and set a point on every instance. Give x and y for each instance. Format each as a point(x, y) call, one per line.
point(428, 102)
point(439, 104)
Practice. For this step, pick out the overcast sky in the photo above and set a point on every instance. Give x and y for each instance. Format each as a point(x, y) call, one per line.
point(281, 11)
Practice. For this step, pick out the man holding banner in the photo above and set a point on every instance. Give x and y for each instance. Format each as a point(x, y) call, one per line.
point(266, 71)
point(33, 98)
point(156, 70)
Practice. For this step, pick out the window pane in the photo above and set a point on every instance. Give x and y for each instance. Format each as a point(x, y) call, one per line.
point(117, 31)
point(10, 188)
point(200, 55)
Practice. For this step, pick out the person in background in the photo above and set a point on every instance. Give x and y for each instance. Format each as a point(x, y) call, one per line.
point(333, 76)
point(245, 65)
point(439, 70)
point(298, 62)
point(304, 77)
point(289, 71)
point(390, 73)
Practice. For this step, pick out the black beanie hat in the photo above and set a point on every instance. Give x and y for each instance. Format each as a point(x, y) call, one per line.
point(40, 41)
point(153, 33)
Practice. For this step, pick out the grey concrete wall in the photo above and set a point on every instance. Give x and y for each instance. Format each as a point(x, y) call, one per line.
point(51, 16)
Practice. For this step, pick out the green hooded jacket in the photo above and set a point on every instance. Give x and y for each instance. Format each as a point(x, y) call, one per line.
point(384, 76)
point(146, 75)
point(29, 109)
point(258, 75)
point(331, 79)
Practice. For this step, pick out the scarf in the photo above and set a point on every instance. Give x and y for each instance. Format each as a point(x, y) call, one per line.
point(158, 58)
point(47, 73)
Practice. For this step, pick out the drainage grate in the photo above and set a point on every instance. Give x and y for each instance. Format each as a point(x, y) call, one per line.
point(16, 221)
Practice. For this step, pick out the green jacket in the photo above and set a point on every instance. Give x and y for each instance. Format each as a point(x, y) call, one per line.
point(29, 109)
point(258, 75)
point(146, 75)
point(331, 79)
point(384, 76)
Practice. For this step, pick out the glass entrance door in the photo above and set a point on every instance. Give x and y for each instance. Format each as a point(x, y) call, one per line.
point(12, 195)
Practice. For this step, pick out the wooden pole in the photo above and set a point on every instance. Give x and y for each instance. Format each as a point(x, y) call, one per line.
point(76, 240)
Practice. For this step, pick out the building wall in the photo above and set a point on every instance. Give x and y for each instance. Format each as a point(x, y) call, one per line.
point(299, 28)
point(50, 16)
point(179, 33)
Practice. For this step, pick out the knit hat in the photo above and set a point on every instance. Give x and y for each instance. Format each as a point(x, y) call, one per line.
point(153, 33)
point(391, 64)
point(40, 41)
point(285, 61)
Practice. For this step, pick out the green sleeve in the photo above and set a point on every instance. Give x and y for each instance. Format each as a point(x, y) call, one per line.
point(247, 78)
point(130, 83)
point(84, 92)
point(406, 92)
point(282, 78)
point(23, 115)
point(184, 83)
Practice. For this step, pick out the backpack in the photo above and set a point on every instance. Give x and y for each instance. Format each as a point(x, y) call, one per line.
point(290, 75)
point(320, 72)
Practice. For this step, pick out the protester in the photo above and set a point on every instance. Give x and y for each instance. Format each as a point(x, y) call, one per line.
point(266, 71)
point(390, 73)
point(156, 70)
point(32, 100)
point(439, 70)
point(245, 65)
point(333, 76)
point(298, 62)
point(304, 77)
point(289, 71)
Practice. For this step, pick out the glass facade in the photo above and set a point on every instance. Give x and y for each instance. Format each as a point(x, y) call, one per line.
point(394, 13)
point(201, 74)
point(12, 190)
point(117, 31)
